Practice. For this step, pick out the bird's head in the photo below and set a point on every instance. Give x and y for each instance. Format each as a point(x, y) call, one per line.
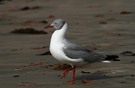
point(57, 24)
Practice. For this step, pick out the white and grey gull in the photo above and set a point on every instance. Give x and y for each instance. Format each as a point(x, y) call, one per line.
point(71, 53)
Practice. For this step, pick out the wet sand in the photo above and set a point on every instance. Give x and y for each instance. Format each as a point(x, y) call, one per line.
point(107, 27)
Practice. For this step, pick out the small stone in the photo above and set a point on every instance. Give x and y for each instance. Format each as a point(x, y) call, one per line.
point(16, 76)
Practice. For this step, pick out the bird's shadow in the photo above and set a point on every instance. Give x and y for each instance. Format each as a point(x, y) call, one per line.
point(100, 76)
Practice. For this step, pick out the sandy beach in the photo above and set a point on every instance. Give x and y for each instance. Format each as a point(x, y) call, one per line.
point(104, 26)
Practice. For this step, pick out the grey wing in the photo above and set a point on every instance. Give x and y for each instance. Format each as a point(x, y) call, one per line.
point(87, 56)
point(75, 47)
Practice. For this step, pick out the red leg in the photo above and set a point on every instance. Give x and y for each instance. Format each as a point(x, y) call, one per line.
point(64, 73)
point(73, 76)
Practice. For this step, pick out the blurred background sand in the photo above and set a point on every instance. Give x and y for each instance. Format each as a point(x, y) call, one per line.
point(106, 26)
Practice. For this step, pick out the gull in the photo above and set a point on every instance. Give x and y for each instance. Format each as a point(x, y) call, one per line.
point(67, 52)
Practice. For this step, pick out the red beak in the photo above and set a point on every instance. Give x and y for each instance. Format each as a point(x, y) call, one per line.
point(49, 26)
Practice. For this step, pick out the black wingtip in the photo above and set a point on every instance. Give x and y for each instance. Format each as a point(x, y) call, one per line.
point(112, 57)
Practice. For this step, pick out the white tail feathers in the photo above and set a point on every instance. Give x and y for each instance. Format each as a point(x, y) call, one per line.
point(106, 61)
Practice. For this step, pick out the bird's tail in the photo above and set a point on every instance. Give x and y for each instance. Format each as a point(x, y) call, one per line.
point(111, 58)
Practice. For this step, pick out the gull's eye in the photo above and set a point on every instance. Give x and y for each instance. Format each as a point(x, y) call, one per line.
point(55, 23)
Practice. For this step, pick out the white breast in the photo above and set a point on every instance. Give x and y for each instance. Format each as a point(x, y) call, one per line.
point(56, 47)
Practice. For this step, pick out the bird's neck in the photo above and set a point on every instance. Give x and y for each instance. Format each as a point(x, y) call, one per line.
point(60, 34)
